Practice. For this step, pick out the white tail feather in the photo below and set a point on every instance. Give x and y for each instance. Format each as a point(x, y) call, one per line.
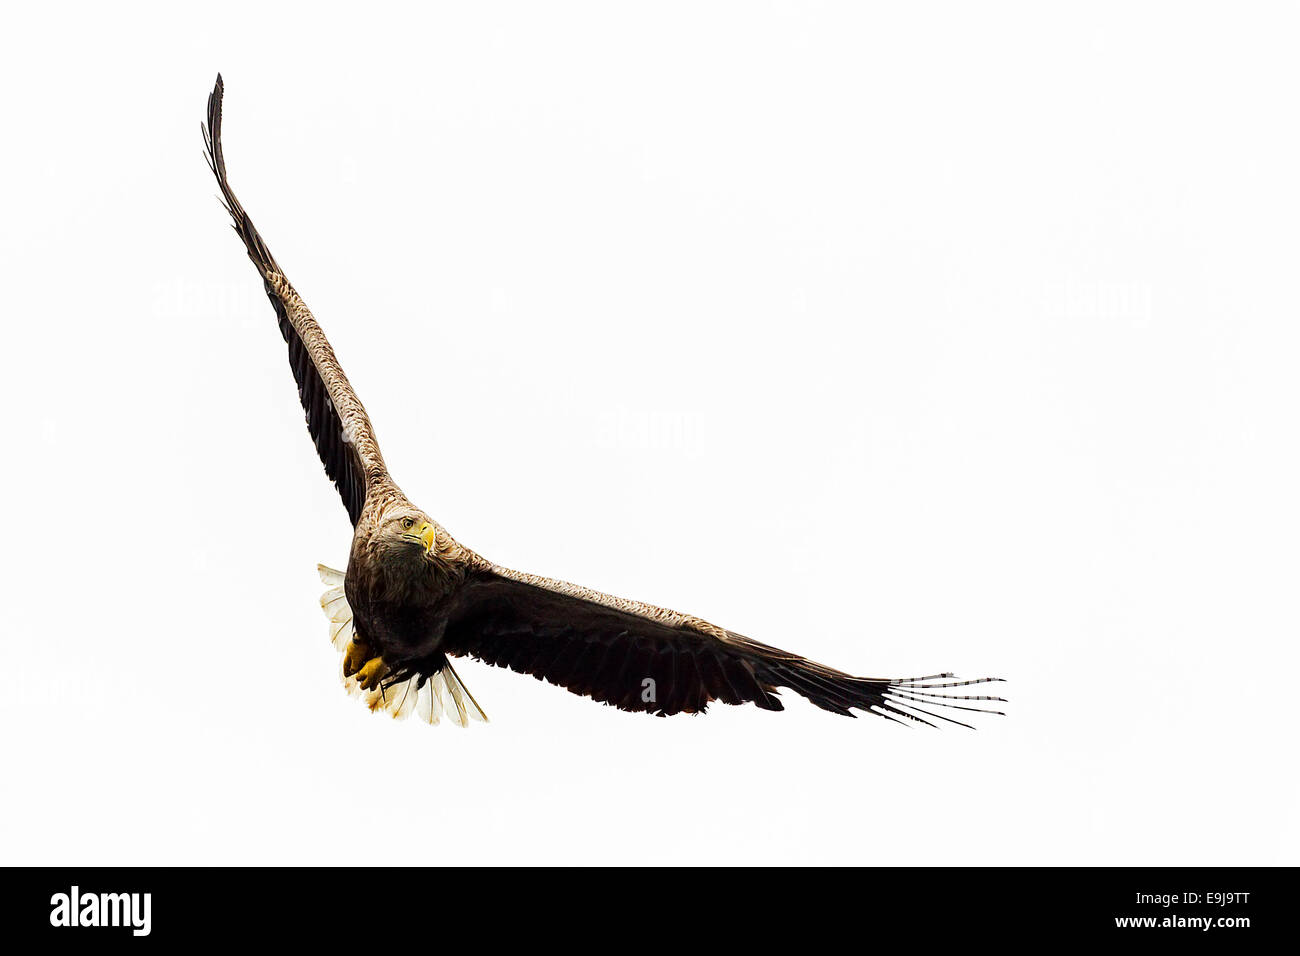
point(429, 700)
point(340, 634)
point(458, 701)
point(460, 693)
point(335, 604)
point(424, 705)
point(404, 697)
point(437, 697)
point(329, 576)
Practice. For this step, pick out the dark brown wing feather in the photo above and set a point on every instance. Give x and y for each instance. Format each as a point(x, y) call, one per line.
point(339, 457)
point(639, 664)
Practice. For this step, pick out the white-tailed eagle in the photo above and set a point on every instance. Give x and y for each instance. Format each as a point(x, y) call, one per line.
point(413, 597)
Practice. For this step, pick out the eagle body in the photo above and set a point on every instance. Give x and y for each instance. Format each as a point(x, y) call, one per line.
point(399, 597)
point(413, 598)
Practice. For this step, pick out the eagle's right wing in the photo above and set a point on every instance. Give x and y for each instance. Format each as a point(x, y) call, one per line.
point(336, 418)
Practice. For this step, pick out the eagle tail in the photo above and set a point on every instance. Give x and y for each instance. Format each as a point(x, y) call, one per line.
point(462, 701)
point(428, 696)
point(334, 603)
point(407, 692)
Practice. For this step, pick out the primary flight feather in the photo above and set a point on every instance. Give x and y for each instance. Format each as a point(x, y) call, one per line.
point(413, 597)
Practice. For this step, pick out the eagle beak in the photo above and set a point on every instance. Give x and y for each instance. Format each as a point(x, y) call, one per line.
point(427, 535)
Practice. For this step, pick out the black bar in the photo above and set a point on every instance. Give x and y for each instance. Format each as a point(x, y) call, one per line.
point(661, 907)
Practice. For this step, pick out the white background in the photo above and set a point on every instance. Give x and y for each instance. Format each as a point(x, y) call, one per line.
point(910, 338)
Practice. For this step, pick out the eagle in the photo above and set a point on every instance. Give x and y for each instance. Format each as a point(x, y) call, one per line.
point(413, 597)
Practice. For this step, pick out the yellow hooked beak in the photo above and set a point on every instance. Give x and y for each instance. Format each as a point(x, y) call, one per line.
point(427, 535)
point(424, 533)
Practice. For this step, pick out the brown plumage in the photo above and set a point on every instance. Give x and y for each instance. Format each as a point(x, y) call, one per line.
point(413, 596)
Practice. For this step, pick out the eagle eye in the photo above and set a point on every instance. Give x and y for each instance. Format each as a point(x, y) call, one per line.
point(408, 523)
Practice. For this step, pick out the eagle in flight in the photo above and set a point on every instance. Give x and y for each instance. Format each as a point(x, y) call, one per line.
point(413, 597)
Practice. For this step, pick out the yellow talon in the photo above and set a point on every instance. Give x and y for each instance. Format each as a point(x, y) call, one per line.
point(372, 673)
point(355, 657)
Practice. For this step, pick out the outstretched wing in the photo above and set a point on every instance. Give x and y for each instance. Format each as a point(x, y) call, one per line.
point(336, 419)
point(638, 657)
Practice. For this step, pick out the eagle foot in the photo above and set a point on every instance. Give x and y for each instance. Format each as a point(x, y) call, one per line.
point(371, 673)
point(355, 657)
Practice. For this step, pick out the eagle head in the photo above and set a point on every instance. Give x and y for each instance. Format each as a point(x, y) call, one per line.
point(403, 534)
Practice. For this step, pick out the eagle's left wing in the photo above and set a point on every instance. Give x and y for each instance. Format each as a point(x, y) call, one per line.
point(639, 657)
